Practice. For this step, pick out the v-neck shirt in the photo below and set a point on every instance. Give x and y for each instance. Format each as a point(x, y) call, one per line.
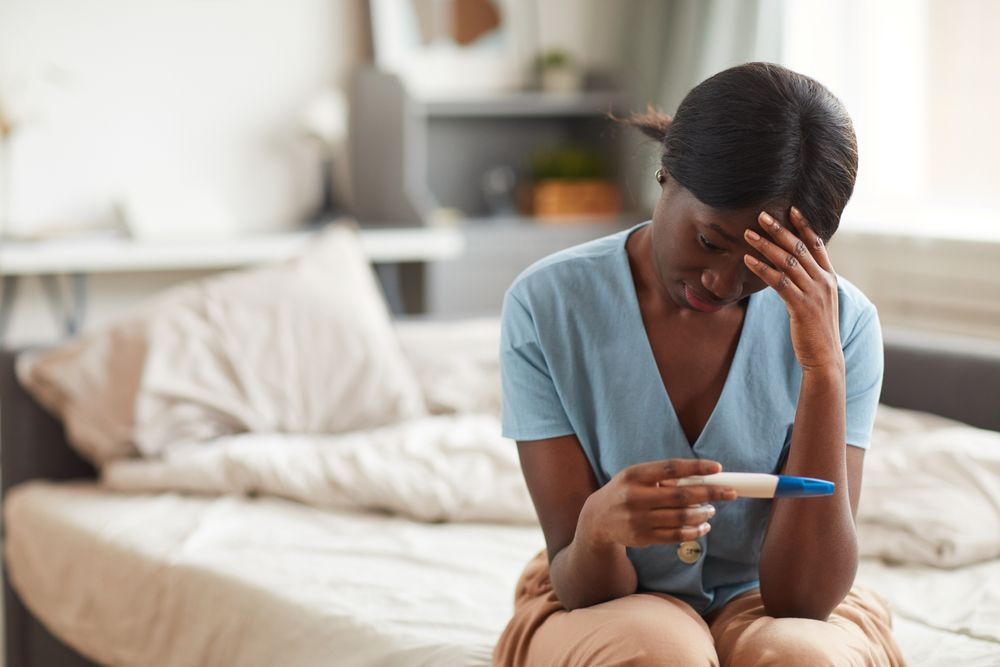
point(576, 359)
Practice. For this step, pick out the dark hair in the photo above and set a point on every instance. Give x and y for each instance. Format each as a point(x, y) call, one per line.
point(760, 133)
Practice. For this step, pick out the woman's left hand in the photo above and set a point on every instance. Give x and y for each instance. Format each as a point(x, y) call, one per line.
point(801, 273)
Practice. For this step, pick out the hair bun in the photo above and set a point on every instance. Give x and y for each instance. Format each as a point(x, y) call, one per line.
point(653, 123)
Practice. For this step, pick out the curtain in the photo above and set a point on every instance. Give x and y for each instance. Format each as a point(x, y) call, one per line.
point(666, 47)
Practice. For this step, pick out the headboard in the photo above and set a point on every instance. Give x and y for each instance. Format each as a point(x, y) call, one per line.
point(947, 375)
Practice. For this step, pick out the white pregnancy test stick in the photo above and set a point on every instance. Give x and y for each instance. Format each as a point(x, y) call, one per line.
point(761, 485)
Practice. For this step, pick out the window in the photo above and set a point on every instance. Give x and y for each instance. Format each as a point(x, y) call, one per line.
point(920, 79)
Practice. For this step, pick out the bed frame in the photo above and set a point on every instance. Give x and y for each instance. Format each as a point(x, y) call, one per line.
point(952, 377)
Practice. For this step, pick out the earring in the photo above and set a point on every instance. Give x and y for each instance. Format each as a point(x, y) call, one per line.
point(661, 176)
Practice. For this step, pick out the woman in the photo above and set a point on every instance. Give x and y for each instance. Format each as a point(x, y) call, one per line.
point(659, 353)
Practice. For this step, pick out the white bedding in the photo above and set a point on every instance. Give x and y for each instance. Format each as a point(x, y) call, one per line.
point(155, 580)
point(436, 468)
point(176, 581)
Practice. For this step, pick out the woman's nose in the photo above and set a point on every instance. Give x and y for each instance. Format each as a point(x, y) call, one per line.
point(724, 282)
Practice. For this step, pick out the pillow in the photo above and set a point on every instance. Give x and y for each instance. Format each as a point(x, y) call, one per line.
point(930, 493)
point(303, 347)
point(457, 363)
point(90, 383)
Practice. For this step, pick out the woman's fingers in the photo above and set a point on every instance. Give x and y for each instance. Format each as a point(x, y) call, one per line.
point(678, 535)
point(673, 496)
point(774, 278)
point(678, 518)
point(784, 250)
point(811, 239)
point(656, 471)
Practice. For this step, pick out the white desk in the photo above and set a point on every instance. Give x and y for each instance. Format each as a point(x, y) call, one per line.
point(76, 259)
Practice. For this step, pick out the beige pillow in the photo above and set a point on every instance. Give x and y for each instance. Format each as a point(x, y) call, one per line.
point(304, 347)
point(90, 384)
point(930, 493)
point(456, 362)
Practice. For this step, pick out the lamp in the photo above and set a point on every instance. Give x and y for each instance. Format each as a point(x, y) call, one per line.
point(325, 121)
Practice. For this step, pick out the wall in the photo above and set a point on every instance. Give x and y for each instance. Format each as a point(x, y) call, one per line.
point(182, 105)
point(188, 97)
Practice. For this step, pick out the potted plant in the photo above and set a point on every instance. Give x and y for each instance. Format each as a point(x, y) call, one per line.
point(572, 182)
point(557, 72)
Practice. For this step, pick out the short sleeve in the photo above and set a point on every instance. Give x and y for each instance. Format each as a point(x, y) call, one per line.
point(531, 408)
point(863, 358)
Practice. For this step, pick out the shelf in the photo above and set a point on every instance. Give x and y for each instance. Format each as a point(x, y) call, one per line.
point(523, 104)
point(123, 256)
point(622, 220)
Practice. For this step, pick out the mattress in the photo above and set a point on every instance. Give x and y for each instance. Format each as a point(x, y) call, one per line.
point(183, 580)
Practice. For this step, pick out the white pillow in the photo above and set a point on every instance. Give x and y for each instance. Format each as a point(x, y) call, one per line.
point(457, 363)
point(303, 347)
point(930, 494)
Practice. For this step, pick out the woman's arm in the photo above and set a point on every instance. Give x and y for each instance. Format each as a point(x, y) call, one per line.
point(588, 527)
point(810, 552)
point(560, 480)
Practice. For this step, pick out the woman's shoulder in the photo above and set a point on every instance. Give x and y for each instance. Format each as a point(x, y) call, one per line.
point(593, 262)
point(852, 297)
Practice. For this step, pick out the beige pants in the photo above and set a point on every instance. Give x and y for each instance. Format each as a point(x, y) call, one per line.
point(658, 629)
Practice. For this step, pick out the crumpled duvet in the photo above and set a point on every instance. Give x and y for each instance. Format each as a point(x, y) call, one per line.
point(437, 468)
point(930, 490)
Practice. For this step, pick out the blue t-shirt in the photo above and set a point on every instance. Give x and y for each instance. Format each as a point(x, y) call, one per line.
point(575, 359)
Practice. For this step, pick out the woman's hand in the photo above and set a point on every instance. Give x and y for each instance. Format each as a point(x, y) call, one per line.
point(802, 275)
point(642, 505)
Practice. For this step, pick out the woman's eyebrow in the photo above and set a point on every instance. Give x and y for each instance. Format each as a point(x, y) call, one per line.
point(724, 234)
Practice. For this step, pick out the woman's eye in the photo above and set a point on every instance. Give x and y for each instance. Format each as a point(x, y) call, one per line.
point(708, 245)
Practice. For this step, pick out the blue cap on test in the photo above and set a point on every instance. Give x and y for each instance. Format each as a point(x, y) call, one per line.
point(791, 487)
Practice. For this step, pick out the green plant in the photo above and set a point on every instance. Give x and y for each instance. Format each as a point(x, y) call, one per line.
point(568, 163)
point(553, 58)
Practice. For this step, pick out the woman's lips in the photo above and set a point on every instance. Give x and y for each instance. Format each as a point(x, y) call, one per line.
point(697, 303)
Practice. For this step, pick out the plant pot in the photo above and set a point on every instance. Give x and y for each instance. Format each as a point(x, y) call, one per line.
point(561, 80)
point(557, 199)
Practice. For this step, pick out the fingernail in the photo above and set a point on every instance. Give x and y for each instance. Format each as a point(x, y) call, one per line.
point(796, 211)
point(704, 528)
point(752, 235)
point(711, 510)
point(751, 260)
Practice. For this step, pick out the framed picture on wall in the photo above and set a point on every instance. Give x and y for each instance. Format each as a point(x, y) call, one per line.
point(455, 47)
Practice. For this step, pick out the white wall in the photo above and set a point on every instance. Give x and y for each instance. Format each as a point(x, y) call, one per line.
point(187, 109)
point(172, 104)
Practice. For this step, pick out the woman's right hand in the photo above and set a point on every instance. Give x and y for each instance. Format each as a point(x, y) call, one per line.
point(642, 505)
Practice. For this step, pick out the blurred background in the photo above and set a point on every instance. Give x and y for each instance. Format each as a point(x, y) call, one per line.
point(143, 144)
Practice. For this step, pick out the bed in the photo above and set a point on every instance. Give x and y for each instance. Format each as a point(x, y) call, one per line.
point(290, 476)
point(94, 577)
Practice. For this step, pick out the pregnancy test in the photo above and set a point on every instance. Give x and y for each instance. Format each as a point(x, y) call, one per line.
point(760, 485)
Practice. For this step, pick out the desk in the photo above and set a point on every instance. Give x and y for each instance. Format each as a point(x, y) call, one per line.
point(72, 261)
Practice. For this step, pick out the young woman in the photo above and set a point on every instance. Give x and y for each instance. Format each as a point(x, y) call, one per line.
point(716, 336)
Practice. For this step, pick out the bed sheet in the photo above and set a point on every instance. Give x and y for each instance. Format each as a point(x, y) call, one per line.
point(155, 580)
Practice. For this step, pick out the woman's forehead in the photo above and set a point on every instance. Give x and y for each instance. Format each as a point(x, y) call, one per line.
point(726, 221)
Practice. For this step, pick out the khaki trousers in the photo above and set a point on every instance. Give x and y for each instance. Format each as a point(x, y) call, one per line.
point(658, 629)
